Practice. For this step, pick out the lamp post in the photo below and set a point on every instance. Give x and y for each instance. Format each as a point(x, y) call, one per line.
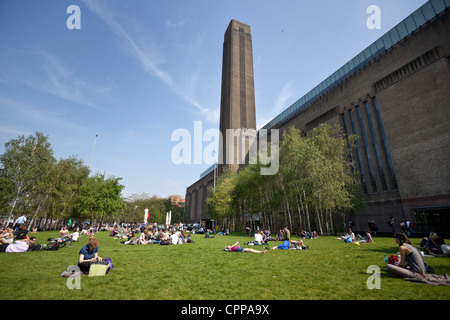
point(92, 154)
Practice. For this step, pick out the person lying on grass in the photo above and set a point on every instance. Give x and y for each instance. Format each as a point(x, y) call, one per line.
point(18, 246)
point(297, 245)
point(236, 248)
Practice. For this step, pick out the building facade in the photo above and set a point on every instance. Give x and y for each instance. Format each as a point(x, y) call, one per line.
point(395, 96)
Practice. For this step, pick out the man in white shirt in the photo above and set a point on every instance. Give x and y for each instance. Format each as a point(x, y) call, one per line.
point(18, 245)
point(19, 221)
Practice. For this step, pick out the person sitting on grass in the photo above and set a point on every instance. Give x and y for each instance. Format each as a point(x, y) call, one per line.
point(433, 244)
point(411, 264)
point(21, 233)
point(236, 248)
point(189, 240)
point(6, 235)
point(258, 239)
point(367, 239)
point(88, 254)
point(144, 238)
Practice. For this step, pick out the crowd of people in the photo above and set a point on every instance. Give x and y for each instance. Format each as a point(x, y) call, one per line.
point(152, 234)
point(409, 264)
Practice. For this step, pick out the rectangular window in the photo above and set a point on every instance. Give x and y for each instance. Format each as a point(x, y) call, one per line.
point(366, 148)
point(358, 152)
point(385, 145)
point(376, 147)
point(344, 122)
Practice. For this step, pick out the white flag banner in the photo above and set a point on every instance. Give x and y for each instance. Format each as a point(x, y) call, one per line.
point(146, 216)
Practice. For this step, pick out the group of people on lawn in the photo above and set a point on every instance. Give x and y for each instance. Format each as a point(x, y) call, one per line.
point(349, 237)
point(260, 239)
point(153, 234)
point(410, 265)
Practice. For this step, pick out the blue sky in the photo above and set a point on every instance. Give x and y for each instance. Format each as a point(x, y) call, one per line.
point(137, 70)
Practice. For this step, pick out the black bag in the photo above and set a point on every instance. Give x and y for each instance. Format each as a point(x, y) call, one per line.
point(53, 247)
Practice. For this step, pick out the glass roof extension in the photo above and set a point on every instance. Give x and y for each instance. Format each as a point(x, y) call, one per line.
point(413, 22)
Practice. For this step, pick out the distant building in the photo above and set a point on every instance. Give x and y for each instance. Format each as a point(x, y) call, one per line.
point(177, 200)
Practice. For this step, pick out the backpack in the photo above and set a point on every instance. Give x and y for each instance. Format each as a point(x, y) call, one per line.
point(53, 247)
point(393, 259)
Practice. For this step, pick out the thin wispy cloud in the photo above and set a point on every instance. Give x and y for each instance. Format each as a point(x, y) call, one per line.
point(176, 24)
point(13, 131)
point(54, 77)
point(27, 112)
point(281, 103)
point(284, 96)
point(108, 17)
point(146, 59)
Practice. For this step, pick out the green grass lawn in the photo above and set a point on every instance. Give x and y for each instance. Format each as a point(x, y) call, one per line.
point(331, 270)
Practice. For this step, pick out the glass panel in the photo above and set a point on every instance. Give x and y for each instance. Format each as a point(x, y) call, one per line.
point(374, 50)
point(438, 5)
point(351, 66)
point(308, 97)
point(368, 54)
point(447, 3)
point(346, 70)
point(331, 79)
point(419, 18)
point(370, 51)
point(387, 41)
point(410, 24)
point(356, 61)
point(394, 36)
point(401, 29)
point(321, 86)
point(380, 45)
point(428, 11)
point(341, 74)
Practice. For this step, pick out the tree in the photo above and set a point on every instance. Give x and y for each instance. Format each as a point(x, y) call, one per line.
point(99, 198)
point(314, 186)
point(221, 198)
point(25, 172)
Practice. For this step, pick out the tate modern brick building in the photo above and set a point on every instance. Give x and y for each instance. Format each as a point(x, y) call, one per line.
point(395, 96)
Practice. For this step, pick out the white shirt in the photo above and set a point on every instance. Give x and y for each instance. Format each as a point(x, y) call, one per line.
point(174, 238)
point(258, 237)
point(21, 220)
point(19, 246)
point(75, 236)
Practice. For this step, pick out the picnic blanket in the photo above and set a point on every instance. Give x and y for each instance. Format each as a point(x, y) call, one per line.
point(432, 279)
